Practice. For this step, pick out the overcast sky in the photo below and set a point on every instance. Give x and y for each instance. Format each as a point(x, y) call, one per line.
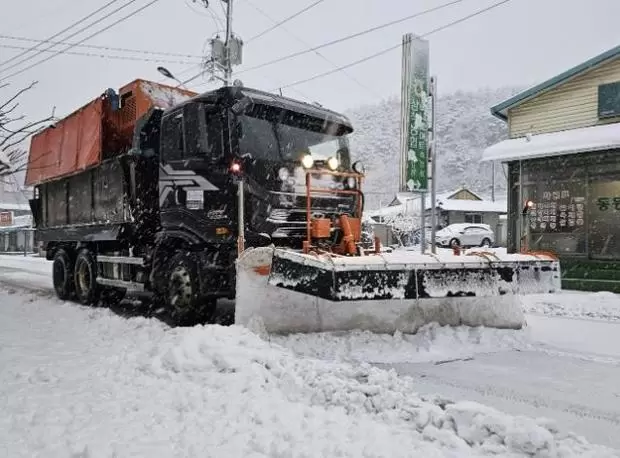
point(519, 43)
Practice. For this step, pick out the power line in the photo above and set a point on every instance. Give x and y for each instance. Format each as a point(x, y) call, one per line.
point(118, 21)
point(339, 40)
point(111, 56)
point(61, 32)
point(105, 48)
point(391, 48)
point(305, 43)
point(285, 20)
point(349, 37)
point(41, 51)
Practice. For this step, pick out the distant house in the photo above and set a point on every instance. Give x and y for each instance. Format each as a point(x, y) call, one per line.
point(16, 233)
point(457, 206)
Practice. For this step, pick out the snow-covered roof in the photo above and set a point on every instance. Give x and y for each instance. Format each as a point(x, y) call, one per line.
point(9, 206)
point(582, 140)
point(481, 206)
point(19, 222)
point(443, 200)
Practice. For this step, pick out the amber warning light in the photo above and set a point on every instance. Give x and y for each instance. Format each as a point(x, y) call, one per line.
point(528, 204)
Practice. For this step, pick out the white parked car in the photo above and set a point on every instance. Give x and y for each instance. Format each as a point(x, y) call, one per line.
point(465, 235)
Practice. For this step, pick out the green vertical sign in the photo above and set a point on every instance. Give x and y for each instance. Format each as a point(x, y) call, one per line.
point(417, 130)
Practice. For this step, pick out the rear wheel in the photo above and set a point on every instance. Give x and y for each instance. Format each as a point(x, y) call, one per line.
point(62, 275)
point(85, 278)
point(485, 243)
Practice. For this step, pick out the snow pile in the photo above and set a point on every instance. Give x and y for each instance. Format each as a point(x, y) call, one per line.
point(601, 305)
point(84, 382)
point(431, 343)
point(291, 399)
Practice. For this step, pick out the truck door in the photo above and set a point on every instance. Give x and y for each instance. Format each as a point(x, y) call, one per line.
point(194, 182)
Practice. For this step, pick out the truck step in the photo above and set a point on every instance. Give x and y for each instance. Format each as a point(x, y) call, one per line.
point(121, 260)
point(129, 285)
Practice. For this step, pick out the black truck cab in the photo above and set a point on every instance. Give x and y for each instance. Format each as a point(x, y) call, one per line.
point(212, 140)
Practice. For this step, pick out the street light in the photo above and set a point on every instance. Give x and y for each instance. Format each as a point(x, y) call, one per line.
point(168, 74)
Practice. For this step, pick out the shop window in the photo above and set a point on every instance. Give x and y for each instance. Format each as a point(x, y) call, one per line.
point(604, 215)
point(473, 218)
point(557, 220)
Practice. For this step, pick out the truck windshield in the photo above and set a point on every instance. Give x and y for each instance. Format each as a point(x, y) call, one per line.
point(282, 137)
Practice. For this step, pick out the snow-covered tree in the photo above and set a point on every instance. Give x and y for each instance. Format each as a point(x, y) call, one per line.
point(465, 127)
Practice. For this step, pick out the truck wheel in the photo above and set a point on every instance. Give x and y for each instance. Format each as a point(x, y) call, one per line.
point(62, 275)
point(85, 278)
point(183, 289)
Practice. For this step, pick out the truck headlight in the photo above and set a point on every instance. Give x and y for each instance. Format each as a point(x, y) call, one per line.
point(283, 174)
point(351, 182)
point(332, 163)
point(307, 161)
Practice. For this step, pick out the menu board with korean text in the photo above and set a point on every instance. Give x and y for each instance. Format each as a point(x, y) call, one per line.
point(558, 210)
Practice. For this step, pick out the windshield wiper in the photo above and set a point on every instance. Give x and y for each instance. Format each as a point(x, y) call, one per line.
point(278, 141)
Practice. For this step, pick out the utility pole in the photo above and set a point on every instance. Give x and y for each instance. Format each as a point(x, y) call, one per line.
point(225, 54)
point(227, 43)
point(493, 181)
point(433, 158)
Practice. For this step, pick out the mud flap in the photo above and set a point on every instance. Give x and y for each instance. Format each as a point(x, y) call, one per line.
point(293, 292)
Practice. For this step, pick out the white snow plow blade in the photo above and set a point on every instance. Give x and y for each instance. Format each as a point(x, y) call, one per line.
point(292, 292)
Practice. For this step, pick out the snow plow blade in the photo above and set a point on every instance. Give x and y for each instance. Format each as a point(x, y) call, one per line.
point(292, 292)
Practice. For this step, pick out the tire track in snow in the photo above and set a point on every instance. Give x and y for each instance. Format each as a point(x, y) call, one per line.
point(486, 390)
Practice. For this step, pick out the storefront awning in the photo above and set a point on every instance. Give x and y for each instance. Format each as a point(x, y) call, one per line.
point(573, 141)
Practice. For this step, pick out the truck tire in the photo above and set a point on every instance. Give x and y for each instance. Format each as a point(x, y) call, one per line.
point(183, 298)
point(85, 278)
point(62, 275)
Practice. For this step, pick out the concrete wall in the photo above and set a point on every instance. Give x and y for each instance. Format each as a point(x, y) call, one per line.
point(571, 105)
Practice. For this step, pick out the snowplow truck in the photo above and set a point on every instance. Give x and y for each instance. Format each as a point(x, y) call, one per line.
point(242, 194)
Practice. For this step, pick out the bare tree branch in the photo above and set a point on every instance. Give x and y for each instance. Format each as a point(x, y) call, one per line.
point(16, 96)
point(13, 159)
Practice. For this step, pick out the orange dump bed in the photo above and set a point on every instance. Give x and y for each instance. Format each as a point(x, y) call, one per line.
point(95, 131)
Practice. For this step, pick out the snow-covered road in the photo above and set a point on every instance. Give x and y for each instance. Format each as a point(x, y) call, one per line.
point(84, 381)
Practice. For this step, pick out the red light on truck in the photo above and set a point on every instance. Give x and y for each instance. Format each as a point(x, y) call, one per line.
point(235, 167)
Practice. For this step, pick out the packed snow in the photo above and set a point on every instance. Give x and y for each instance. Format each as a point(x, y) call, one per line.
point(431, 343)
point(164, 96)
point(601, 305)
point(84, 382)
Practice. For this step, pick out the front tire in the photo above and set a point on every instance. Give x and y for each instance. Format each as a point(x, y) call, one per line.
point(486, 243)
point(455, 242)
point(85, 278)
point(183, 297)
point(62, 275)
